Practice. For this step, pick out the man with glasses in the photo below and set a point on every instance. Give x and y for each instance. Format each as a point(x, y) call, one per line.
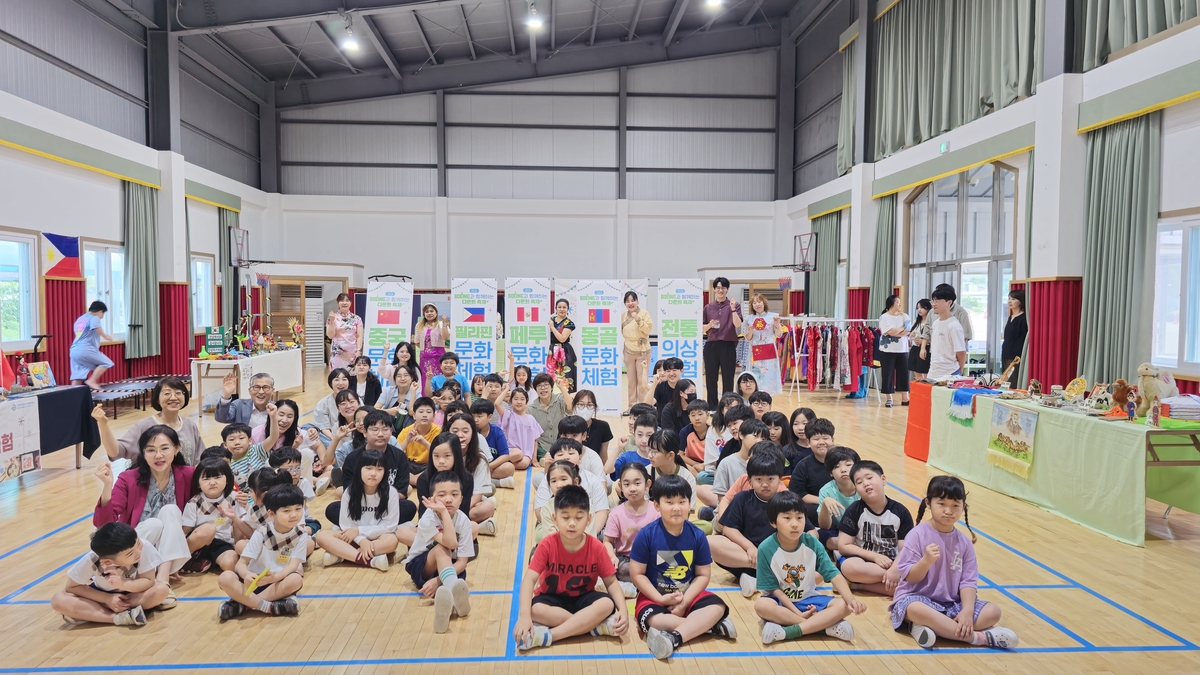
point(252, 411)
point(722, 319)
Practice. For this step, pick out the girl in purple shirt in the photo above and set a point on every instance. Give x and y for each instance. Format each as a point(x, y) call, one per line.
point(938, 576)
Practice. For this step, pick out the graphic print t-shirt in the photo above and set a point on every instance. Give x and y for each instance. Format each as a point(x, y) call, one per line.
point(86, 331)
point(671, 560)
point(877, 532)
point(561, 572)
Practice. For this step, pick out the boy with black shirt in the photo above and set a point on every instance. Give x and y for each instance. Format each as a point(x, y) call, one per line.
point(377, 432)
point(872, 532)
point(810, 474)
point(664, 384)
point(744, 522)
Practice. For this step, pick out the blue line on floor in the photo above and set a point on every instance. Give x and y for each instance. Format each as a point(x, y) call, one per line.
point(514, 609)
point(49, 534)
point(302, 596)
point(35, 582)
point(1039, 614)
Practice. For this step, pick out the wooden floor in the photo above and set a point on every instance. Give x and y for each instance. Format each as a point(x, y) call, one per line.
point(1081, 603)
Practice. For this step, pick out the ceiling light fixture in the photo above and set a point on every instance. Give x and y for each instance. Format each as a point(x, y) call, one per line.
point(714, 3)
point(349, 43)
point(533, 20)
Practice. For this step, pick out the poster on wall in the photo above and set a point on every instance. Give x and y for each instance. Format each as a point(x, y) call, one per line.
point(20, 438)
point(526, 315)
point(680, 311)
point(473, 322)
point(388, 317)
point(596, 310)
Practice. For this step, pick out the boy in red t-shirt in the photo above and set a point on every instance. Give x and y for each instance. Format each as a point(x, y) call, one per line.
point(558, 596)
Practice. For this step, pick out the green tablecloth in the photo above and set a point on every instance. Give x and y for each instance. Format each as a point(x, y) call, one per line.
point(1085, 470)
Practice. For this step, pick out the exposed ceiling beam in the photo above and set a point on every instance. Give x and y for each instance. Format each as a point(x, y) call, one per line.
point(225, 46)
point(132, 12)
point(424, 40)
point(637, 15)
point(712, 19)
point(250, 15)
point(553, 25)
point(338, 50)
point(576, 58)
point(293, 51)
point(193, 55)
point(512, 36)
point(595, 22)
point(382, 47)
point(750, 14)
point(467, 30)
point(810, 18)
point(673, 21)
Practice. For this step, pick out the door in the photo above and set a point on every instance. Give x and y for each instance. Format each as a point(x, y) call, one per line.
point(287, 302)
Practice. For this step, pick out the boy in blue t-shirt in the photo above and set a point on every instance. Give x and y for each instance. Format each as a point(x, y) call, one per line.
point(670, 565)
point(449, 364)
point(85, 354)
point(504, 461)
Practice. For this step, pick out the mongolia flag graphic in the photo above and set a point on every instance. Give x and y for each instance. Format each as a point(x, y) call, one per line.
point(60, 256)
point(527, 314)
point(597, 316)
point(387, 317)
point(474, 314)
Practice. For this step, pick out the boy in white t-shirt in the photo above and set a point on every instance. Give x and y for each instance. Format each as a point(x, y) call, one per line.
point(269, 575)
point(572, 451)
point(114, 582)
point(437, 559)
point(948, 346)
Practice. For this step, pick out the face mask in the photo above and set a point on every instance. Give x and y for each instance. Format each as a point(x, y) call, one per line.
point(691, 397)
point(586, 413)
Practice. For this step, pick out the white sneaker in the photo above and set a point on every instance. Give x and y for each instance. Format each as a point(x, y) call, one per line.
point(1000, 638)
point(841, 630)
point(772, 632)
point(492, 499)
point(541, 637)
point(488, 527)
point(133, 616)
point(330, 559)
point(924, 636)
point(509, 482)
point(461, 596)
point(749, 585)
point(606, 627)
point(660, 643)
point(443, 605)
point(629, 589)
point(322, 485)
point(380, 562)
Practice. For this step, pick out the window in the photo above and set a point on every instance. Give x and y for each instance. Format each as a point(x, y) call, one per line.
point(202, 292)
point(104, 270)
point(18, 290)
point(1176, 323)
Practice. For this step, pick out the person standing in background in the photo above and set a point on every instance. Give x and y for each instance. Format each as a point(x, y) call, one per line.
point(432, 335)
point(1015, 331)
point(722, 320)
point(636, 325)
point(922, 333)
point(893, 350)
point(345, 332)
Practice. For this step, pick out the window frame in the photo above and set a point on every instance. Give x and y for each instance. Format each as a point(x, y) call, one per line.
point(34, 288)
point(197, 326)
point(1189, 313)
point(106, 248)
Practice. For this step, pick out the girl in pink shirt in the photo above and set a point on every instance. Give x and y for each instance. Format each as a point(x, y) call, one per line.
point(627, 519)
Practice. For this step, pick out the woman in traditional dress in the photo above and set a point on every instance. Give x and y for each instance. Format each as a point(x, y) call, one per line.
point(345, 332)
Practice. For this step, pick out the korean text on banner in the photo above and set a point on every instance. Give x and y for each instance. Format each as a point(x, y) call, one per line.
point(388, 319)
point(473, 317)
point(20, 437)
point(680, 310)
point(596, 310)
point(526, 315)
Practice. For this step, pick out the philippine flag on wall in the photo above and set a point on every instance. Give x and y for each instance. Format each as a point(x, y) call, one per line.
point(60, 256)
point(527, 314)
point(597, 316)
point(474, 314)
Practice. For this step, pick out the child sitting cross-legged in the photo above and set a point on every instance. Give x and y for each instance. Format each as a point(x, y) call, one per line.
point(744, 522)
point(570, 450)
point(627, 519)
point(558, 596)
point(788, 564)
point(835, 495)
point(670, 564)
point(560, 474)
point(212, 520)
point(666, 459)
point(872, 532)
point(268, 575)
point(437, 559)
point(114, 582)
point(260, 483)
point(370, 514)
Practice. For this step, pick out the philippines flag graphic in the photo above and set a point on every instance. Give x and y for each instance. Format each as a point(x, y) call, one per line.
point(387, 317)
point(60, 256)
point(474, 314)
point(597, 316)
point(527, 314)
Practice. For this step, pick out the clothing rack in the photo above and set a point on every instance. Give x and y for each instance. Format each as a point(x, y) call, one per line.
point(799, 323)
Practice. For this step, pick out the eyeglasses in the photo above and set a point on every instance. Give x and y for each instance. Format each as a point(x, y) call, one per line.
point(260, 387)
point(294, 470)
point(585, 407)
point(159, 451)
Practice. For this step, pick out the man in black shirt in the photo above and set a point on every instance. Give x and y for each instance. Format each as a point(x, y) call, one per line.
point(664, 383)
point(377, 427)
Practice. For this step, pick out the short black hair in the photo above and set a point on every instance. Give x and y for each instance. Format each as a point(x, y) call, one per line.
point(572, 424)
point(483, 406)
point(738, 412)
point(266, 478)
point(171, 382)
point(572, 497)
point(236, 428)
point(283, 496)
point(838, 454)
point(755, 428)
point(457, 407)
point(865, 465)
point(720, 281)
point(217, 451)
point(698, 404)
point(211, 467)
point(784, 502)
point(640, 409)
point(493, 378)
point(672, 363)
point(97, 306)
point(666, 440)
point(765, 461)
point(670, 486)
point(111, 539)
point(774, 418)
point(543, 378)
point(445, 477)
point(760, 396)
point(375, 417)
point(283, 455)
point(449, 356)
point(630, 294)
point(424, 401)
point(646, 421)
point(944, 292)
point(818, 427)
point(333, 375)
point(565, 443)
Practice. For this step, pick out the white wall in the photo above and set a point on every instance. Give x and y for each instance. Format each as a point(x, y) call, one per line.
point(47, 196)
point(1180, 150)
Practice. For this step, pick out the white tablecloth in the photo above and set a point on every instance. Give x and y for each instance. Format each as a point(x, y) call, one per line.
point(287, 367)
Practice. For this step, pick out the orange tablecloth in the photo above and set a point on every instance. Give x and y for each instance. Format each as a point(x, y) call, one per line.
point(916, 438)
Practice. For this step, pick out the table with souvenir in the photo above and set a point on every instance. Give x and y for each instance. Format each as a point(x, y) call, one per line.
point(245, 353)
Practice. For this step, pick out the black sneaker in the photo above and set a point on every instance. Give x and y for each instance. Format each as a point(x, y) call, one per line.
point(230, 609)
point(196, 565)
point(725, 629)
point(286, 607)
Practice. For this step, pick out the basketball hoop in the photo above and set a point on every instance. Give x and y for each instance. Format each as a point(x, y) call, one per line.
point(804, 252)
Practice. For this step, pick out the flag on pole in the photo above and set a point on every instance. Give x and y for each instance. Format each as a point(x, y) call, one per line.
point(60, 256)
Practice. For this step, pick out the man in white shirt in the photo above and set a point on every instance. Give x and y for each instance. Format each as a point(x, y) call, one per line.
point(948, 346)
point(959, 312)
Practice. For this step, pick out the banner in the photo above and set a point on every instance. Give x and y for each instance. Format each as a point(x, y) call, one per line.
point(680, 311)
point(20, 437)
point(388, 319)
point(596, 310)
point(473, 324)
point(1010, 445)
point(527, 314)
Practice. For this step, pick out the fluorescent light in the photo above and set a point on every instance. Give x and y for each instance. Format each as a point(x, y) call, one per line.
point(533, 20)
point(348, 42)
point(714, 3)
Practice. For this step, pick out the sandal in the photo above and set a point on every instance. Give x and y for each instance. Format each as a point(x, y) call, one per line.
point(904, 403)
point(888, 404)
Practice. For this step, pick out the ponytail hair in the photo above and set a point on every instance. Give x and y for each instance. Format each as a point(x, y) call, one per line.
point(946, 487)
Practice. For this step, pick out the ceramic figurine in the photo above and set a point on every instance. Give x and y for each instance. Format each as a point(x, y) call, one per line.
point(1035, 388)
point(22, 373)
point(1130, 409)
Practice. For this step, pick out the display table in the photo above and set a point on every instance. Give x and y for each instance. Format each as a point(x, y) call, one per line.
point(1095, 473)
point(287, 367)
point(916, 437)
point(65, 419)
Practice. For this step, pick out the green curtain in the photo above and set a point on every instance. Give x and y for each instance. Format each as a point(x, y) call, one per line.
point(942, 64)
point(229, 281)
point(1023, 368)
point(883, 275)
point(845, 146)
point(1121, 201)
point(1106, 26)
point(823, 299)
point(141, 270)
